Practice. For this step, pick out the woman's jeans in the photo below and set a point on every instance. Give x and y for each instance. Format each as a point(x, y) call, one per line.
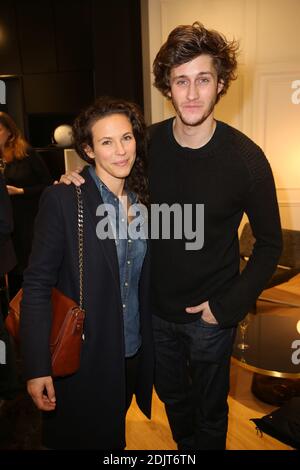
point(192, 379)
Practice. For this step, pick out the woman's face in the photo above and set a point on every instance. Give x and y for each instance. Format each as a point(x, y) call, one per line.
point(114, 147)
point(4, 135)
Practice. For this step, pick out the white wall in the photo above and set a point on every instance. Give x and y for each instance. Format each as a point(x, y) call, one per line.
point(261, 102)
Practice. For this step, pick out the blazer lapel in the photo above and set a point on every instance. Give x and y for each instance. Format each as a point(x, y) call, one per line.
point(93, 199)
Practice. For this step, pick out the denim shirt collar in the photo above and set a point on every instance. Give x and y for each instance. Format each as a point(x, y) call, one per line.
point(106, 194)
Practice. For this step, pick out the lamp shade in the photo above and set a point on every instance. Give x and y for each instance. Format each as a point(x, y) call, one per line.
point(63, 135)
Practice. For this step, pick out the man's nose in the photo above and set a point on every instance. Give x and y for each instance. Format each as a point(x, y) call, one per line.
point(192, 91)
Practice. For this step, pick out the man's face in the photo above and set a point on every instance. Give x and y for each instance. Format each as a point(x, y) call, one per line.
point(194, 90)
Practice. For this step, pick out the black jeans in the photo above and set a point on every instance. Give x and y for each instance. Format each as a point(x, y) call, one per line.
point(192, 379)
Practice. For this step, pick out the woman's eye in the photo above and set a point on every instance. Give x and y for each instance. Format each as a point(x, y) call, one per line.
point(128, 137)
point(106, 142)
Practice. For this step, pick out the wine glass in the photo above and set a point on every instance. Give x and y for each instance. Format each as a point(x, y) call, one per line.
point(243, 325)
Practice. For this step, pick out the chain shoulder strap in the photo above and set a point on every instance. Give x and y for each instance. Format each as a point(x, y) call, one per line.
point(80, 244)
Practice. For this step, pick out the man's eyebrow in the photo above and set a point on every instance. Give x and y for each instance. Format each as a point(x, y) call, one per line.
point(205, 73)
point(200, 73)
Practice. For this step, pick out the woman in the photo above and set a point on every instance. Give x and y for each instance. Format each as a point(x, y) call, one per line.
point(87, 410)
point(7, 255)
point(9, 386)
point(26, 176)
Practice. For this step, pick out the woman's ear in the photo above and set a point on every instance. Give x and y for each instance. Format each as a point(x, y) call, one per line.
point(89, 151)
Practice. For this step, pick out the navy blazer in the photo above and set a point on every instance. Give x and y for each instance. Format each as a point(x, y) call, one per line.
point(91, 403)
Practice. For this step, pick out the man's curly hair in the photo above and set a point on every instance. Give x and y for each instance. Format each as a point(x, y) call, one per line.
point(105, 106)
point(185, 43)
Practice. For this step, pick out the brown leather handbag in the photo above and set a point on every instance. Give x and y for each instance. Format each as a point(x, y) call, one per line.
point(67, 318)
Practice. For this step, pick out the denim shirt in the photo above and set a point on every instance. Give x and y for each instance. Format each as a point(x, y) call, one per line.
point(131, 253)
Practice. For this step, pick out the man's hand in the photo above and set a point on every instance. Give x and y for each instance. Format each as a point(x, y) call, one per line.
point(72, 177)
point(206, 312)
point(42, 392)
point(13, 190)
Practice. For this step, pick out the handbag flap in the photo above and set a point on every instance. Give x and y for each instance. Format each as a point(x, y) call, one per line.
point(12, 321)
point(61, 306)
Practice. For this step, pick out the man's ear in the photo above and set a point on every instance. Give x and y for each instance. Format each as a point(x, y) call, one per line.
point(220, 86)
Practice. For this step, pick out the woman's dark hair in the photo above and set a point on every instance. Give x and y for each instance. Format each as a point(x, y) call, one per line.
point(16, 146)
point(105, 106)
point(185, 43)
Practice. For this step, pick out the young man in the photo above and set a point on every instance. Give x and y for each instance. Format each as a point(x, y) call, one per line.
point(199, 296)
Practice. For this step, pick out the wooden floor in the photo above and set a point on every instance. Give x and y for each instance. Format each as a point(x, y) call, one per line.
point(155, 434)
point(143, 434)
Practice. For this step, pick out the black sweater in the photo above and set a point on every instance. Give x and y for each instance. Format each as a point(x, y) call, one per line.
point(230, 175)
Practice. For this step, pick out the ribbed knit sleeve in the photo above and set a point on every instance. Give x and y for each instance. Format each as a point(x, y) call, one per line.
point(260, 205)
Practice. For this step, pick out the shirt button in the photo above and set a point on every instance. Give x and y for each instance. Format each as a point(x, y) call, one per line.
point(126, 284)
point(124, 305)
point(128, 262)
point(122, 220)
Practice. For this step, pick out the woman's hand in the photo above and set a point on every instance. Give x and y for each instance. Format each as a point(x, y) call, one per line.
point(71, 177)
point(13, 190)
point(207, 314)
point(42, 393)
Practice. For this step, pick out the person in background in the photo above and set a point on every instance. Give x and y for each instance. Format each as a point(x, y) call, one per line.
point(26, 176)
point(198, 295)
point(9, 384)
point(7, 256)
point(87, 409)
